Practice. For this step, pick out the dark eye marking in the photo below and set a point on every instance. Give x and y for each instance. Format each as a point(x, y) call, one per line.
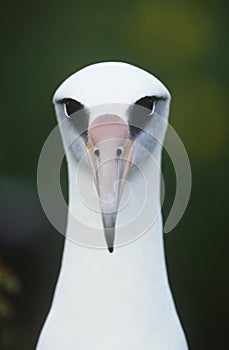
point(139, 117)
point(71, 106)
point(78, 121)
point(147, 102)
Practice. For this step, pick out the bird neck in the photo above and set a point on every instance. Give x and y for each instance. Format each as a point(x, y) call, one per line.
point(91, 275)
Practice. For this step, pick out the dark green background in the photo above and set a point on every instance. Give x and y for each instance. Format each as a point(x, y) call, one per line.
point(185, 44)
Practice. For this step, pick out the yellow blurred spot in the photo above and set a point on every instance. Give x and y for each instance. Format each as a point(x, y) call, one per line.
point(169, 32)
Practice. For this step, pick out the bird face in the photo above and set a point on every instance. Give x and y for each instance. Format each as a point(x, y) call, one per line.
point(108, 110)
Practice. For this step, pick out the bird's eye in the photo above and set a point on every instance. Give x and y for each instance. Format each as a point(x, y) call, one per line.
point(147, 102)
point(72, 106)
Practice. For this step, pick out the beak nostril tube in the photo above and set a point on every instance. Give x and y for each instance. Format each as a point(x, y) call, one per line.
point(119, 152)
point(96, 152)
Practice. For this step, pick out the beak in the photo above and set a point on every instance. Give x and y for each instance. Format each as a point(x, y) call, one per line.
point(109, 153)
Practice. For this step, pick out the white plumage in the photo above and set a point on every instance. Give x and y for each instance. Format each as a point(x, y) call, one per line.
point(118, 300)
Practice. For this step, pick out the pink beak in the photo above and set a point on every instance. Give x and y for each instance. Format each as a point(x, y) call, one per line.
point(109, 153)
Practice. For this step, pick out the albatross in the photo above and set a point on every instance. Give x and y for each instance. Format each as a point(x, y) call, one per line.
point(113, 290)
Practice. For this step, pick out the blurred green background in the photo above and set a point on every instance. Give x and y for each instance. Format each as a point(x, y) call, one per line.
point(184, 43)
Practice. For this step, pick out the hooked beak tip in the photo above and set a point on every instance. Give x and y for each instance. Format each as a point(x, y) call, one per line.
point(109, 229)
point(111, 249)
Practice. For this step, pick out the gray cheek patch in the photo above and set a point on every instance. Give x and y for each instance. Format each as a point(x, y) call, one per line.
point(80, 122)
point(78, 150)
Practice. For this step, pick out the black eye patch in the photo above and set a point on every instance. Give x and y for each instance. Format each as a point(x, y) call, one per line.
point(139, 117)
point(147, 102)
point(72, 106)
point(79, 121)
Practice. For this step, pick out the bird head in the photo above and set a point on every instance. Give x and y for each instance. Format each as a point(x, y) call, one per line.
point(108, 110)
